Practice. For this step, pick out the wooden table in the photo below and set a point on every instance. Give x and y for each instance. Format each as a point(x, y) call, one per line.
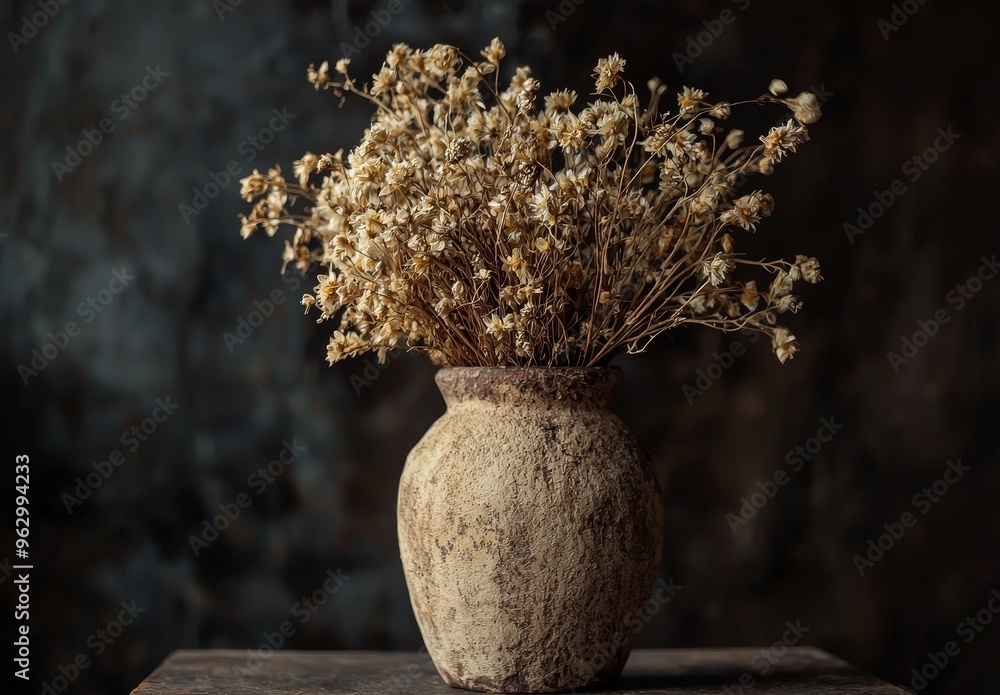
point(803, 670)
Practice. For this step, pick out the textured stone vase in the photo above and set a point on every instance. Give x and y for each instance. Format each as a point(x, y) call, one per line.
point(530, 525)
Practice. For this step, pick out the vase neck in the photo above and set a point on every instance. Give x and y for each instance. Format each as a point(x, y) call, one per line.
point(592, 387)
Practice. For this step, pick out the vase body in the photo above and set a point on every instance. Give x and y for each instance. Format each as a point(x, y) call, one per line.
point(530, 527)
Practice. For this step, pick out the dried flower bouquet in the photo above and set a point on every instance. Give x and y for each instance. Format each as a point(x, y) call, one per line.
point(491, 226)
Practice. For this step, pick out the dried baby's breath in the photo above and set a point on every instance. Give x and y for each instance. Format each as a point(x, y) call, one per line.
point(498, 226)
point(777, 87)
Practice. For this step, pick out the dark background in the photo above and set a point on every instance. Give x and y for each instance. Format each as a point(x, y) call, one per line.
point(163, 336)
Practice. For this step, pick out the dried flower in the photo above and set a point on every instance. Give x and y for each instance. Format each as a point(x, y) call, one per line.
point(483, 225)
point(784, 343)
point(809, 267)
point(320, 78)
point(560, 102)
point(750, 297)
point(495, 52)
point(444, 306)
point(805, 107)
point(717, 269)
point(782, 139)
point(253, 186)
point(789, 302)
point(458, 150)
point(608, 72)
point(721, 111)
point(302, 168)
point(690, 99)
point(748, 210)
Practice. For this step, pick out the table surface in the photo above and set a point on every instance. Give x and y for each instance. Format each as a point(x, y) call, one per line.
point(803, 670)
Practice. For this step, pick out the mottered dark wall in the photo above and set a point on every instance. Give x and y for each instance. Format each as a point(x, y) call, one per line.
point(128, 298)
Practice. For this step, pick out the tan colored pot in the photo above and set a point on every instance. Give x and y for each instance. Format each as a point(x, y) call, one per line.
point(530, 525)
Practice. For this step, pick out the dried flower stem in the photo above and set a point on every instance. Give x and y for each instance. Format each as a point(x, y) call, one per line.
point(504, 233)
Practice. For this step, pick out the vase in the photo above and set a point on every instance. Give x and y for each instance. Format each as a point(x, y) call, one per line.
point(530, 525)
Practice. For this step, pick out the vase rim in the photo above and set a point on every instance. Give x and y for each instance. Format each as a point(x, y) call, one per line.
point(602, 368)
point(552, 385)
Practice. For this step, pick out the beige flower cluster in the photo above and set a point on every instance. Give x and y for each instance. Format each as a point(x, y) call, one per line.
point(493, 225)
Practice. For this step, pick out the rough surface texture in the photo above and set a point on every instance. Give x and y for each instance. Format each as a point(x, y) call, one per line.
point(530, 526)
point(801, 671)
